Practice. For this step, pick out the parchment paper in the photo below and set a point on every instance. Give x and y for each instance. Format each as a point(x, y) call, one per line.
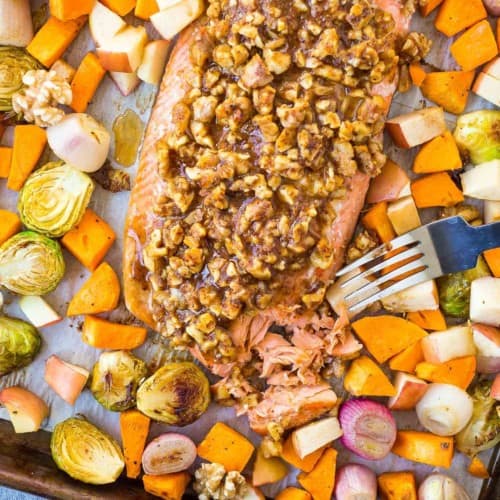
point(64, 339)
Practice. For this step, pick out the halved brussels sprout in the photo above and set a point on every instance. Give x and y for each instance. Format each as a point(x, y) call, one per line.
point(54, 198)
point(14, 63)
point(19, 344)
point(31, 264)
point(115, 379)
point(177, 394)
point(85, 452)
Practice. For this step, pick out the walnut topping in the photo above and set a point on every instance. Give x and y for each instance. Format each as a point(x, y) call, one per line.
point(256, 74)
point(213, 483)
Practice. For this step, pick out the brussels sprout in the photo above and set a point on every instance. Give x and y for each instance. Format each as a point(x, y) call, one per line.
point(19, 344)
point(85, 452)
point(14, 63)
point(54, 198)
point(483, 430)
point(454, 289)
point(478, 135)
point(177, 394)
point(31, 264)
point(115, 379)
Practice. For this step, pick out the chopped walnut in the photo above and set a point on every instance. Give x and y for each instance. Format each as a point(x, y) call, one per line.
point(415, 47)
point(213, 483)
point(363, 243)
point(112, 179)
point(469, 212)
point(255, 73)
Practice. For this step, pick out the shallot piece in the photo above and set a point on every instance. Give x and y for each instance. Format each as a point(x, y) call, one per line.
point(441, 487)
point(355, 482)
point(369, 428)
point(493, 7)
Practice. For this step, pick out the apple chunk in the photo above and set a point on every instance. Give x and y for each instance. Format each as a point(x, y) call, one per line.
point(413, 129)
point(153, 61)
point(26, 410)
point(421, 297)
point(493, 68)
point(104, 24)
point(123, 52)
point(313, 436)
point(483, 181)
point(484, 303)
point(268, 470)
point(391, 184)
point(409, 389)
point(491, 211)
point(67, 380)
point(125, 82)
point(38, 312)
point(487, 87)
point(495, 388)
point(487, 341)
point(403, 215)
point(171, 21)
point(456, 342)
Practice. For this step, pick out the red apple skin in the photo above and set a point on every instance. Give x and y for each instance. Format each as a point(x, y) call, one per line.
point(114, 61)
point(21, 401)
point(125, 82)
point(387, 185)
point(64, 380)
point(486, 363)
point(410, 391)
point(488, 331)
point(495, 388)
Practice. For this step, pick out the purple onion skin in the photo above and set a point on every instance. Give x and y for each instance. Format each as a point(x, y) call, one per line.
point(355, 482)
point(368, 441)
point(493, 7)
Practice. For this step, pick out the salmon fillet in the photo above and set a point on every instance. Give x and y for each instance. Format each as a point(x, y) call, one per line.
point(283, 402)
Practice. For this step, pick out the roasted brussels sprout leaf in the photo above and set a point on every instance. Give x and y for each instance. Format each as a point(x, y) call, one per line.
point(478, 135)
point(31, 264)
point(177, 394)
point(54, 198)
point(85, 452)
point(19, 344)
point(483, 430)
point(14, 63)
point(454, 289)
point(115, 379)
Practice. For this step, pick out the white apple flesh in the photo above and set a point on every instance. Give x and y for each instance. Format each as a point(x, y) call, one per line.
point(487, 87)
point(65, 379)
point(313, 436)
point(125, 82)
point(38, 312)
point(104, 24)
point(403, 215)
point(421, 297)
point(409, 389)
point(26, 410)
point(153, 61)
point(487, 341)
point(484, 303)
point(483, 181)
point(171, 21)
point(456, 342)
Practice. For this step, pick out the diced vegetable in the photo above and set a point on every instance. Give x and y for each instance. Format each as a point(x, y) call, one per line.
point(355, 481)
point(456, 342)
point(484, 304)
point(493, 7)
point(103, 334)
point(427, 7)
point(428, 319)
point(483, 430)
point(28, 146)
point(391, 184)
point(80, 140)
point(320, 481)
point(90, 240)
point(168, 486)
point(365, 378)
point(421, 296)
point(487, 87)
point(100, 293)
point(10, 224)
point(305, 464)
point(407, 360)
point(16, 28)
point(121, 7)
point(223, 445)
point(476, 135)
point(85, 452)
point(398, 486)
point(492, 258)
point(169, 22)
point(38, 312)
point(444, 409)
point(436, 190)
point(153, 61)
point(63, 69)
point(384, 336)
point(409, 389)
point(403, 215)
point(459, 371)
point(478, 469)
point(84, 85)
point(168, 453)
point(438, 155)
point(495, 388)
point(134, 429)
point(369, 428)
point(483, 181)
point(441, 487)
point(104, 24)
point(268, 470)
point(26, 410)
point(449, 89)
point(5, 161)
point(316, 435)
point(65, 379)
point(487, 341)
point(377, 220)
point(455, 15)
point(126, 82)
point(54, 199)
point(424, 447)
point(417, 74)
point(475, 47)
point(53, 38)
point(65, 10)
point(493, 68)
point(144, 9)
point(292, 493)
point(417, 127)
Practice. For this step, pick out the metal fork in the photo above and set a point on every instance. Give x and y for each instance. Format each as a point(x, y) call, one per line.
point(428, 252)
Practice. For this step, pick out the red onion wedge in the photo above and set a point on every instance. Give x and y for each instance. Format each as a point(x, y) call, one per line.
point(168, 453)
point(369, 428)
point(355, 482)
point(493, 7)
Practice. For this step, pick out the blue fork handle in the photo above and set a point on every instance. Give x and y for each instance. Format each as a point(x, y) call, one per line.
point(486, 237)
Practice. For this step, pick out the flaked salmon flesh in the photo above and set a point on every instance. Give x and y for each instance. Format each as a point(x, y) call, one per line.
point(289, 364)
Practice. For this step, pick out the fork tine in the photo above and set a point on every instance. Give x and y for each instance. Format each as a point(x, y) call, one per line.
point(412, 280)
point(412, 266)
point(398, 258)
point(405, 239)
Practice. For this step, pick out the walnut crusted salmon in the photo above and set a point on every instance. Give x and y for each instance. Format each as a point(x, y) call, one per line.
point(255, 165)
